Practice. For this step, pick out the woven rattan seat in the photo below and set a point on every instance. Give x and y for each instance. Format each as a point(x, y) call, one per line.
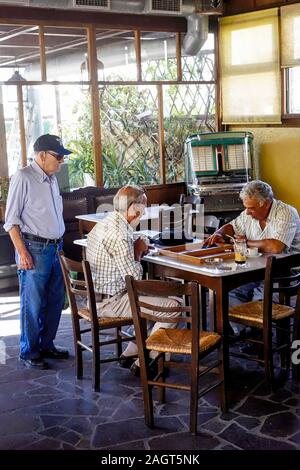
point(252, 313)
point(180, 341)
point(106, 322)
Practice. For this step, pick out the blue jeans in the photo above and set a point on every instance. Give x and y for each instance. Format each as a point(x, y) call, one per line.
point(41, 298)
point(247, 293)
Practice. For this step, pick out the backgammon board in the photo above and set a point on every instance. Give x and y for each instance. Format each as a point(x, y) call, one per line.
point(193, 253)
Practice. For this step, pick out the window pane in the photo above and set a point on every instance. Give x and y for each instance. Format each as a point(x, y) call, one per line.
point(294, 90)
point(250, 71)
point(187, 110)
point(246, 42)
point(19, 51)
point(67, 114)
point(116, 55)
point(201, 66)
point(66, 53)
point(11, 121)
point(129, 132)
point(158, 52)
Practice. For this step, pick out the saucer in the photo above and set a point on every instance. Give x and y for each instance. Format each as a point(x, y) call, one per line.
point(254, 256)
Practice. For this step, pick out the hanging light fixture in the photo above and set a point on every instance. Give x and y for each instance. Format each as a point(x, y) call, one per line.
point(16, 77)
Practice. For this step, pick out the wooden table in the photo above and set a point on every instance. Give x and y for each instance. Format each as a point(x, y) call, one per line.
point(151, 214)
point(218, 280)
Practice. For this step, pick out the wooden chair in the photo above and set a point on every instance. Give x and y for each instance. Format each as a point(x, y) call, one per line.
point(175, 221)
point(211, 224)
point(85, 319)
point(189, 342)
point(192, 199)
point(85, 226)
point(267, 314)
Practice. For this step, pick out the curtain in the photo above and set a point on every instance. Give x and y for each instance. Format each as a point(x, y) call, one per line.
point(290, 35)
point(250, 69)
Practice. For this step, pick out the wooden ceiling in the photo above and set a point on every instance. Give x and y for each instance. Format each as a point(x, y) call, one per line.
point(233, 7)
point(20, 44)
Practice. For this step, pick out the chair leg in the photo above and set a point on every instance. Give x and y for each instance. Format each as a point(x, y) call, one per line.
point(194, 395)
point(118, 343)
point(78, 361)
point(161, 390)
point(223, 385)
point(147, 393)
point(96, 360)
point(268, 359)
point(78, 349)
point(288, 342)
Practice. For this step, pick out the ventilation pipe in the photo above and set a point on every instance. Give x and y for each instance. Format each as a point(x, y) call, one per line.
point(197, 33)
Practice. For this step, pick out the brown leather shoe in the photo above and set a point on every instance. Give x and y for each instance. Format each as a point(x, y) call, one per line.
point(36, 363)
point(126, 361)
point(135, 370)
point(55, 353)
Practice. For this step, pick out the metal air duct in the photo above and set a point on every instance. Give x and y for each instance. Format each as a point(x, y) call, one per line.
point(197, 33)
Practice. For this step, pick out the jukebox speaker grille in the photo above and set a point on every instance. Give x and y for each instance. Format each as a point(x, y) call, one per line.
point(204, 159)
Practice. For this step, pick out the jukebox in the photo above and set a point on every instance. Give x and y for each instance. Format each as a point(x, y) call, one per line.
point(217, 165)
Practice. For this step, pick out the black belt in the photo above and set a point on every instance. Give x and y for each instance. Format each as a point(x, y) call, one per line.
point(34, 238)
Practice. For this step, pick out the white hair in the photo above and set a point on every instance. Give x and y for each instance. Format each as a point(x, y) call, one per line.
point(257, 190)
point(128, 195)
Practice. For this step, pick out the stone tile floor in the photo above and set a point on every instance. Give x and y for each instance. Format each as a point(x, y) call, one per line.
point(49, 410)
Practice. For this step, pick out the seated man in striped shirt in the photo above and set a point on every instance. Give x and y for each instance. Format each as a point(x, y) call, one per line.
point(267, 224)
point(113, 254)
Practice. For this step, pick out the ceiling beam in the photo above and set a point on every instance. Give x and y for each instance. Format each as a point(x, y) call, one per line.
point(105, 20)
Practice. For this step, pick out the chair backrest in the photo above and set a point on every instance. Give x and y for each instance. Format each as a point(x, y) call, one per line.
point(211, 224)
point(143, 310)
point(175, 219)
point(192, 199)
point(79, 285)
point(85, 226)
point(279, 278)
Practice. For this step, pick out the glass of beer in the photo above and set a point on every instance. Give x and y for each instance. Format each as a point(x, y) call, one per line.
point(240, 251)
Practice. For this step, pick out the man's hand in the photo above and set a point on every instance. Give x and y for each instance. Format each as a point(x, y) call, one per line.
point(25, 261)
point(140, 249)
point(213, 239)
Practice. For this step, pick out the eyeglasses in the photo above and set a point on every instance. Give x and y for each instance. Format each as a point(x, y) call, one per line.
point(57, 156)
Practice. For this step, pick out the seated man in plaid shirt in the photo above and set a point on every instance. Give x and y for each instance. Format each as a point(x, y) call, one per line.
point(113, 254)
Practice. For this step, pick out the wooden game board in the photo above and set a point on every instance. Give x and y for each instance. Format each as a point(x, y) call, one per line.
point(192, 253)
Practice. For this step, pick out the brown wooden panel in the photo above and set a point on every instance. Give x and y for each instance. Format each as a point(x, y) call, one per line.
point(165, 193)
point(233, 7)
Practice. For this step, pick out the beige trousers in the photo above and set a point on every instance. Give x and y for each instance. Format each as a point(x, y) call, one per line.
point(119, 306)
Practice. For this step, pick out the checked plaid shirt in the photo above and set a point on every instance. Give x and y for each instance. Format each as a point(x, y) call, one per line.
point(110, 252)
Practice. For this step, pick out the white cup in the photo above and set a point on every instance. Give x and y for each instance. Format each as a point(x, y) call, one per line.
point(252, 251)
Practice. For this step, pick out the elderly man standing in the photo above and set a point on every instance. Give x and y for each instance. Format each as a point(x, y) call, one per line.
point(113, 254)
point(266, 223)
point(35, 224)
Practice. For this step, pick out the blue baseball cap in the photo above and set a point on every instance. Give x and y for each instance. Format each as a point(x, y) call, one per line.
point(52, 142)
